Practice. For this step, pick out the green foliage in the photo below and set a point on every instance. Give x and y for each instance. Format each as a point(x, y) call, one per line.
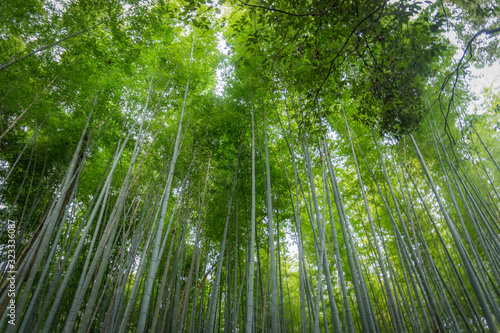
point(141, 64)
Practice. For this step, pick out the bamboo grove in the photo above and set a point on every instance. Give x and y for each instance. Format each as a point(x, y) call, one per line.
point(286, 166)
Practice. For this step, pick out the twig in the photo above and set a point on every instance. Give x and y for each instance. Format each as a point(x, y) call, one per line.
point(288, 13)
point(457, 71)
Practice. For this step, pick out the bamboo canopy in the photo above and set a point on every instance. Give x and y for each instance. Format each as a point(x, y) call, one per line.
point(260, 166)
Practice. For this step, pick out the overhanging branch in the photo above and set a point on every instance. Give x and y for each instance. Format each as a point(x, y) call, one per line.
point(288, 13)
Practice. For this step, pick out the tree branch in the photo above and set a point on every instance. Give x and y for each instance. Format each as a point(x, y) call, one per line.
point(7, 64)
point(288, 13)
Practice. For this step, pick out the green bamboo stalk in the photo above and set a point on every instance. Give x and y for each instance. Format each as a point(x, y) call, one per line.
point(470, 271)
point(395, 315)
point(362, 306)
point(251, 255)
point(347, 307)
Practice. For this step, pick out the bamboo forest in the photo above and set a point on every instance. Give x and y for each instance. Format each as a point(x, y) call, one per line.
point(249, 166)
